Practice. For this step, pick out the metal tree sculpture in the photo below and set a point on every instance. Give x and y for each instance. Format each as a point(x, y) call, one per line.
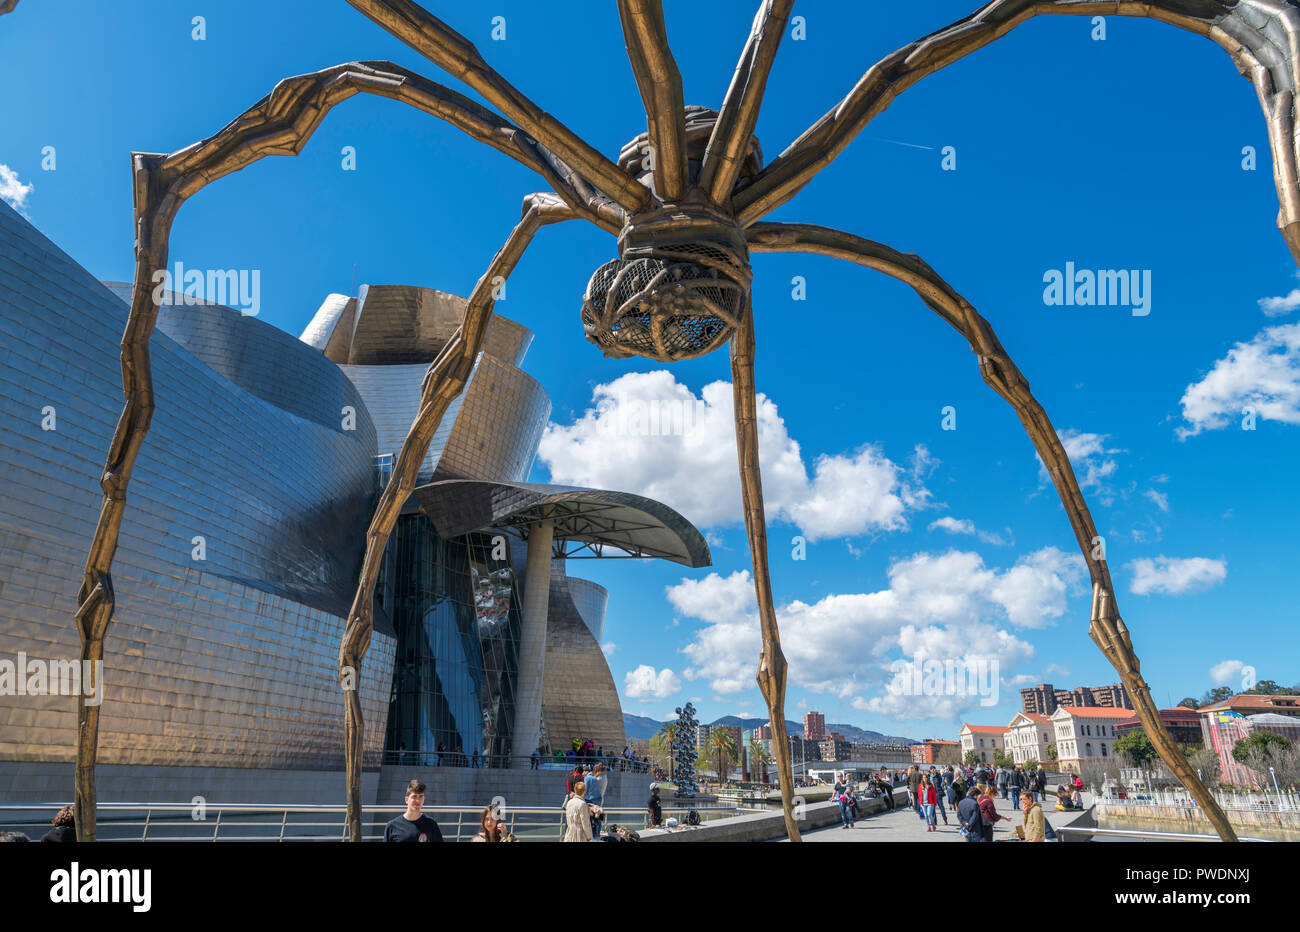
point(681, 284)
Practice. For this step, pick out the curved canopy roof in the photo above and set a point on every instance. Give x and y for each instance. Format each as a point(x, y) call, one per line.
point(586, 520)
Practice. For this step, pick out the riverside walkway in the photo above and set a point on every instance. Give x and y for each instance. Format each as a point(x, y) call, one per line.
point(901, 824)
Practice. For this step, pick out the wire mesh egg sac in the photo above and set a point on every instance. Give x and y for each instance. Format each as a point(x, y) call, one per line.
point(663, 308)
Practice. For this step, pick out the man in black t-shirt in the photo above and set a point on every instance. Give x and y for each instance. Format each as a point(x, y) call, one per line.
point(411, 825)
point(653, 807)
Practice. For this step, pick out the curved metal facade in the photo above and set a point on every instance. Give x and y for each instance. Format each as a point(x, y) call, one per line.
point(225, 661)
point(579, 698)
point(590, 599)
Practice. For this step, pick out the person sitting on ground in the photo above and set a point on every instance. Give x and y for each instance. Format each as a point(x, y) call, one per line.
point(1076, 795)
point(412, 825)
point(1063, 803)
point(65, 828)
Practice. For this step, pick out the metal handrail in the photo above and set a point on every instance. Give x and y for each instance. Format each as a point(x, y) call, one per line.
point(548, 821)
point(1146, 833)
point(463, 759)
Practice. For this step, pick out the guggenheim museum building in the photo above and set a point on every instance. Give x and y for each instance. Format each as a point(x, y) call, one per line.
point(242, 544)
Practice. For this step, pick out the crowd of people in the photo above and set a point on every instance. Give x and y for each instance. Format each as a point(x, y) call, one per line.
point(587, 752)
point(970, 793)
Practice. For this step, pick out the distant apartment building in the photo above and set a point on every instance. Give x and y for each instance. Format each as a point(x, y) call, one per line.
point(734, 730)
point(834, 748)
point(1225, 723)
point(883, 753)
point(1183, 725)
point(1028, 736)
point(1044, 699)
point(702, 736)
point(930, 750)
point(1086, 734)
point(983, 740)
point(814, 726)
point(763, 733)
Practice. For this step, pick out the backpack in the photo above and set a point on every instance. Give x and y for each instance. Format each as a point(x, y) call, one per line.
point(692, 818)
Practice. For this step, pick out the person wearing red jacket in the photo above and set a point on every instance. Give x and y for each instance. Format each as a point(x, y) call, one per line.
point(929, 799)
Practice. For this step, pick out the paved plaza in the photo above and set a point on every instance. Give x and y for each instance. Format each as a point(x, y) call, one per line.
point(902, 824)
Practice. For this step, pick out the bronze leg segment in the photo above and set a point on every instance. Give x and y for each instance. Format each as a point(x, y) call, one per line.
point(443, 383)
point(660, 84)
point(771, 663)
point(451, 51)
point(279, 124)
point(739, 114)
point(1262, 36)
point(1106, 628)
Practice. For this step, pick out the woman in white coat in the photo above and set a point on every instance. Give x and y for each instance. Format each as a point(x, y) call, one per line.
point(577, 815)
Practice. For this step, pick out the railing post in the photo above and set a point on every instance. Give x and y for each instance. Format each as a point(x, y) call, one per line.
point(145, 833)
point(283, 819)
point(216, 828)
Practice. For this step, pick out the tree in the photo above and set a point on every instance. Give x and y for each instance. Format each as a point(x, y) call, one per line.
point(1217, 694)
point(1031, 764)
point(1189, 703)
point(722, 748)
point(1137, 748)
point(972, 759)
point(1205, 762)
point(1001, 759)
point(760, 756)
point(661, 746)
point(1265, 744)
point(1051, 752)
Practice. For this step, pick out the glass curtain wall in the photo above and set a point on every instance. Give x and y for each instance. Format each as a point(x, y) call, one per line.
point(456, 613)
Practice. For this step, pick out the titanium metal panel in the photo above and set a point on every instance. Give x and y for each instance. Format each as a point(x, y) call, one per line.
point(228, 661)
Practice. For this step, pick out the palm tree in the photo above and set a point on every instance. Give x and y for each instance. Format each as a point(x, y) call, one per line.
point(723, 750)
point(760, 755)
point(661, 746)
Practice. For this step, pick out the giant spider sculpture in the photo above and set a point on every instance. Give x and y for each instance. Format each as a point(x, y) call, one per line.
point(680, 286)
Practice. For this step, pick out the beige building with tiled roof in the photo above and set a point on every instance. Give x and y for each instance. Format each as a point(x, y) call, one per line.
point(1028, 736)
point(1086, 734)
point(983, 740)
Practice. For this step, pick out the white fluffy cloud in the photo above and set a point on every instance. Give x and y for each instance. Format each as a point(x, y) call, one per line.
point(1233, 672)
point(954, 525)
point(966, 526)
point(12, 191)
point(1089, 456)
point(649, 434)
point(1160, 498)
point(1262, 374)
point(608, 648)
point(1276, 307)
point(1174, 576)
point(646, 683)
point(947, 605)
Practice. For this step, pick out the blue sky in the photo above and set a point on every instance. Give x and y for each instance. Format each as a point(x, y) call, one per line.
point(1117, 154)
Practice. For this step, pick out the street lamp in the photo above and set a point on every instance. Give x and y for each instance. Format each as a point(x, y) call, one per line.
point(1276, 787)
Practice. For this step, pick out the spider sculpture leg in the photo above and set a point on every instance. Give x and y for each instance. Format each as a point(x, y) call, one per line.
point(1261, 36)
point(771, 663)
point(443, 383)
point(456, 55)
point(279, 124)
point(1106, 628)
